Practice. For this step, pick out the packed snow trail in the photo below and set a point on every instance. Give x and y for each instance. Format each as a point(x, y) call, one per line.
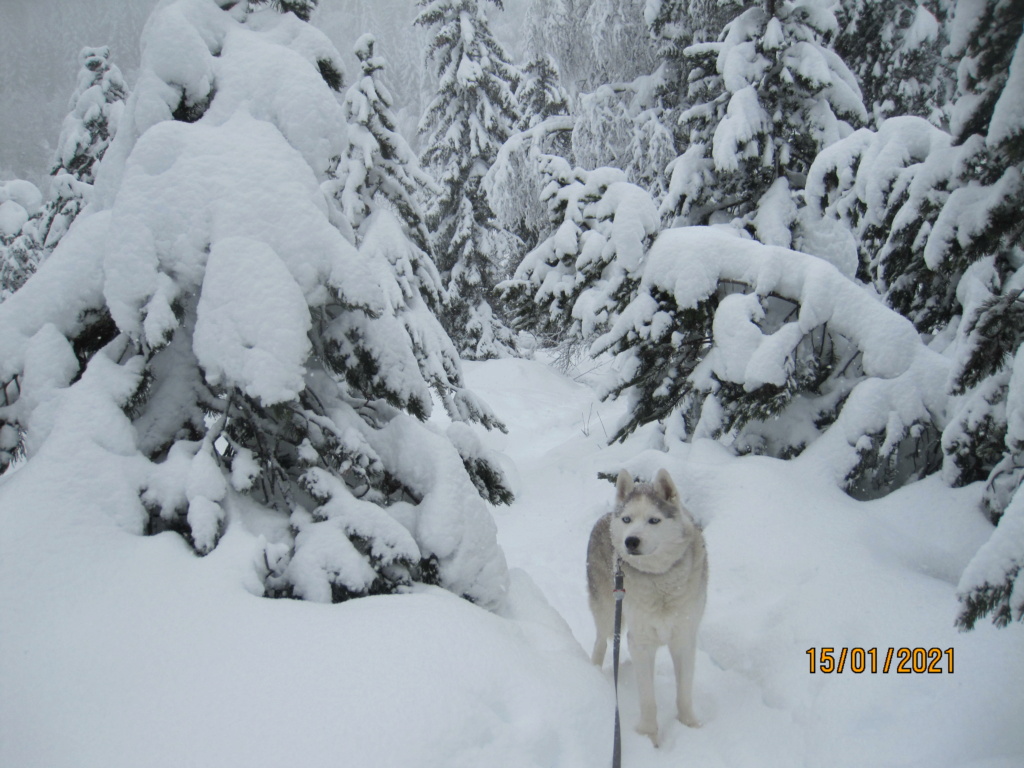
point(795, 565)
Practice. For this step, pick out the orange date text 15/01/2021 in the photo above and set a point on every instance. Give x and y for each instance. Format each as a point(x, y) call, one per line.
point(903, 661)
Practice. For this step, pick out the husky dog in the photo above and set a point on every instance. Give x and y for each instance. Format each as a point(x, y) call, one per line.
point(665, 575)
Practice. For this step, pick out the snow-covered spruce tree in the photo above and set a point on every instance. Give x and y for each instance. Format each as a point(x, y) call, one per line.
point(979, 234)
point(775, 352)
point(573, 284)
point(894, 48)
point(246, 362)
point(378, 184)
point(620, 118)
point(21, 247)
point(677, 24)
point(379, 169)
point(859, 191)
point(674, 26)
point(540, 94)
point(606, 60)
point(777, 96)
point(471, 116)
point(87, 131)
point(965, 236)
point(605, 125)
point(627, 125)
point(912, 282)
point(513, 184)
point(332, 74)
point(552, 28)
point(925, 295)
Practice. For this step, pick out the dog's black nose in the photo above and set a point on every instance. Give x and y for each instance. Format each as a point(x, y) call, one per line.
point(632, 542)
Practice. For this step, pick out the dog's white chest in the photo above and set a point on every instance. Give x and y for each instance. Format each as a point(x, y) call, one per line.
point(656, 606)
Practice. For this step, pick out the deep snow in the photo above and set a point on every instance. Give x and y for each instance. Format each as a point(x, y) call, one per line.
point(119, 650)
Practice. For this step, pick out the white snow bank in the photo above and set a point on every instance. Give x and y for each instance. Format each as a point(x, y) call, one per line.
point(117, 650)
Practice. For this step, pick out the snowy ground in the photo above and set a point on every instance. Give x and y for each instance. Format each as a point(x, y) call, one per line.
point(121, 651)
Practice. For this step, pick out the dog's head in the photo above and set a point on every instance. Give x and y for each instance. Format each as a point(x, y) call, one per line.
point(649, 526)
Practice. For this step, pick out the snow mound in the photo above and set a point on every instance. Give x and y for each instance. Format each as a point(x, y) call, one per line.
point(172, 644)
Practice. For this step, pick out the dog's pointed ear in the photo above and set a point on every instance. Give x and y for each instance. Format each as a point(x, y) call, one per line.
point(623, 485)
point(665, 488)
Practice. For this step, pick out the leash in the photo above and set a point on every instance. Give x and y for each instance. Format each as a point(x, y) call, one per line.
point(619, 592)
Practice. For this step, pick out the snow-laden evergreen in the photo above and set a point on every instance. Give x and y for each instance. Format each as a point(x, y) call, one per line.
point(21, 247)
point(894, 47)
point(540, 94)
point(379, 168)
point(237, 344)
point(574, 282)
point(678, 82)
point(628, 126)
point(620, 94)
point(934, 217)
point(88, 129)
point(471, 116)
point(677, 24)
point(860, 197)
point(979, 233)
point(776, 96)
point(31, 224)
point(301, 8)
point(622, 50)
point(555, 27)
point(775, 352)
point(513, 184)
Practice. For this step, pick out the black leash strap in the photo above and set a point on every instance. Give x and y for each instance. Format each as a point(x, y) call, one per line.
point(619, 592)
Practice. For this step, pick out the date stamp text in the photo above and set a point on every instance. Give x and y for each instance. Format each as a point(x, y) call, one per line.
point(903, 661)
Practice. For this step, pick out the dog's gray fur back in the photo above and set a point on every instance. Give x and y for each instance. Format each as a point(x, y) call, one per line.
point(665, 573)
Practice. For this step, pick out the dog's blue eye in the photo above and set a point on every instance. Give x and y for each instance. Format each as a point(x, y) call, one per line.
point(654, 520)
point(627, 520)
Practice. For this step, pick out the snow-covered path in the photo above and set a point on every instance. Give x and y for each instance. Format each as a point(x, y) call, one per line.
point(121, 651)
point(795, 565)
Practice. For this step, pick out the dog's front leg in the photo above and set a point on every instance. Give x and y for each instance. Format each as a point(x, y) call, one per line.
point(683, 648)
point(600, 646)
point(643, 654)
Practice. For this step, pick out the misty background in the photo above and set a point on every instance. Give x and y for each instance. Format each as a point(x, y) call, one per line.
point(40, 41)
